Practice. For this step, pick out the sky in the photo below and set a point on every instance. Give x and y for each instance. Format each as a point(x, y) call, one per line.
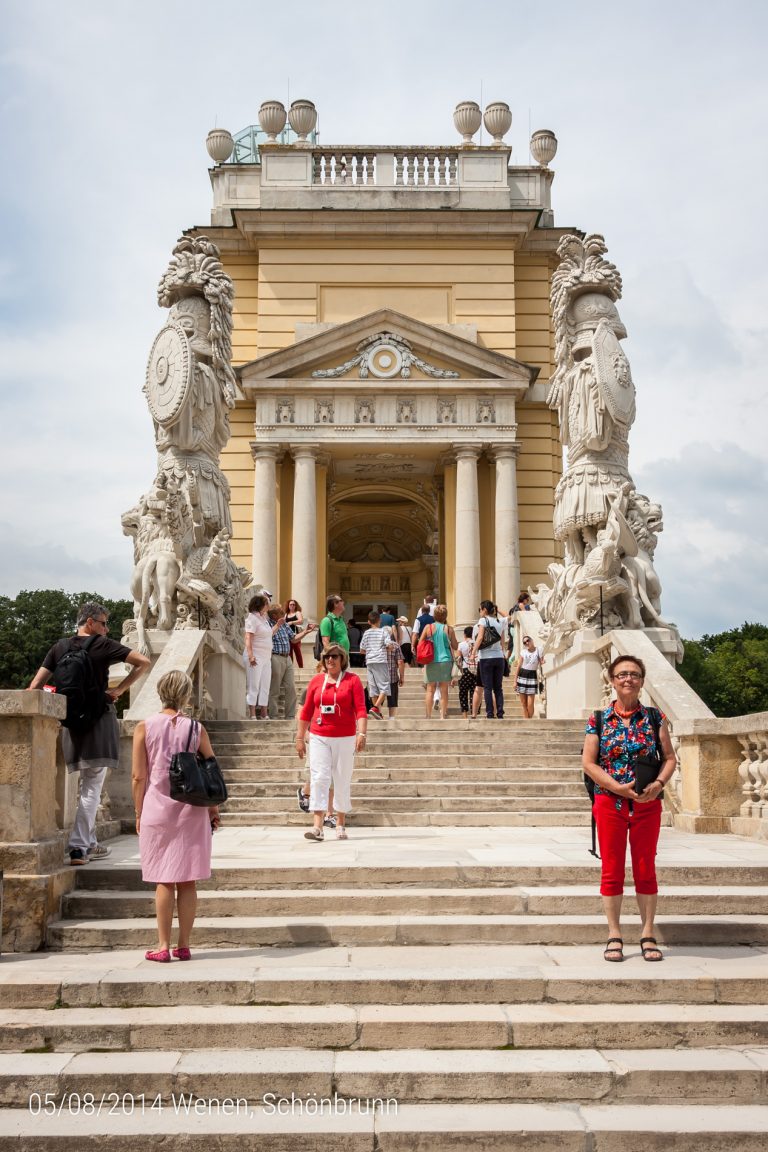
point(659, 109)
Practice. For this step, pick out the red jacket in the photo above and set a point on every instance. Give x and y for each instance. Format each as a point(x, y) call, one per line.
point(349, 699)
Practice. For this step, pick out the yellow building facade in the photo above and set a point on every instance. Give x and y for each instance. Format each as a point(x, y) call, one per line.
point(393, 343)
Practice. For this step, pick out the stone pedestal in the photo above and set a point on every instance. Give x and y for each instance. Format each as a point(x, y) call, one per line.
point(574, 678)
point(33, 805)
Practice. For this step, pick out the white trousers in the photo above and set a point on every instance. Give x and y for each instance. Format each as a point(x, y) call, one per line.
point(330, 758)
point(84, 829)
point(257, 681)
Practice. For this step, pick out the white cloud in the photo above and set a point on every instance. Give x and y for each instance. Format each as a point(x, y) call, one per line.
point(712, 557)
point(103, 115)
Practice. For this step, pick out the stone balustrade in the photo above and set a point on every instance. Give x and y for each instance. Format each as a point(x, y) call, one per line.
point(402, 167)
point(36, 806)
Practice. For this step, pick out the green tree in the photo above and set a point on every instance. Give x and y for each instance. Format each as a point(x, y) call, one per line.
point(729, 670)
point(33, 621)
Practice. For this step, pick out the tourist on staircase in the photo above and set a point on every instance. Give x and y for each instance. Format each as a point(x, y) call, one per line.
point(627, 746)
point(527, 675)
point(174, 838)
point(470, 691)
point(374, 644)
point(294, 618)
point(334, 715)
point(488, 635)
point(396, 665)
point(438, 671)
point(404, 635)
point(257, 657)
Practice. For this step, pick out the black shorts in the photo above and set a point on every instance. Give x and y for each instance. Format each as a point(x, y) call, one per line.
point(394, 691)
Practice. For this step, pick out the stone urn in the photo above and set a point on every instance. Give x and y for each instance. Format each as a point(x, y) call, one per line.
point(498, 121)
point(302, 117)
point(272, 119)
point(220, 145)
point(467, 118)
point(543, 146)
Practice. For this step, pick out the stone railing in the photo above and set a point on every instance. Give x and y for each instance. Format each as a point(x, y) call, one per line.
point(402, 167)
point(36, 806)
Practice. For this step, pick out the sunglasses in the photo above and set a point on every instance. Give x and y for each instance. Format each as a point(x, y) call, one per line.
point(327, 658)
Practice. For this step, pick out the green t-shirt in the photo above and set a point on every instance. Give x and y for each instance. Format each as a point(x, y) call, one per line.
point(335, 628)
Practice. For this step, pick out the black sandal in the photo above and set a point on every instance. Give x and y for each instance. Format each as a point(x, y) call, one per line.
point(614, 955)
point(652, 947)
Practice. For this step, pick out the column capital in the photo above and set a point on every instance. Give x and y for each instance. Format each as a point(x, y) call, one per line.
point(466, 451)
point(262, 450)
point(503, 451)
point(304, 451)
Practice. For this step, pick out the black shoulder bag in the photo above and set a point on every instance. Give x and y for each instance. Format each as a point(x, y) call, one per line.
point(196, 779)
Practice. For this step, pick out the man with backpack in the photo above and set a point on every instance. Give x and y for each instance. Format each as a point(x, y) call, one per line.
point(333, 628)
point(79, 666)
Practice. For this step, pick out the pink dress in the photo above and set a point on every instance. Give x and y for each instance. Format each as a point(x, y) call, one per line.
point(174, 838)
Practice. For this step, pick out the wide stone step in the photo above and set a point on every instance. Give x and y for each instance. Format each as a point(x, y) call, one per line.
point(623, 1076)
point(297, 771)
point(433, 802)
point(500, 788)
point(379, 1027)
point(385, 817)
point(416, 757)
point(328, 868)
point(407, 1128)
point(584, 901)
point(342, 930)
point(481, 974)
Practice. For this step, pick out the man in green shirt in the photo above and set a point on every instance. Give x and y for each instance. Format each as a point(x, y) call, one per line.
point(333, 630)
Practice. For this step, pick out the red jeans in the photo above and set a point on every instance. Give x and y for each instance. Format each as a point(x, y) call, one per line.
point(613, 828)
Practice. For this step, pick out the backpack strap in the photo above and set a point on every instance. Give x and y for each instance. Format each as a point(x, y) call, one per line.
point(599, 725)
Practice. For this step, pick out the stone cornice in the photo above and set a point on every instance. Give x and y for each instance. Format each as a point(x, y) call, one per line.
point(252, 225)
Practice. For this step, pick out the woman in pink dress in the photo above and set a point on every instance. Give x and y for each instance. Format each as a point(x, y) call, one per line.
point(174, 838)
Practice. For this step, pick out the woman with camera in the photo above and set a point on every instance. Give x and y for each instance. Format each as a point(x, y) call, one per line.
point(335, 717)
point(488, 634)
point(628, 754)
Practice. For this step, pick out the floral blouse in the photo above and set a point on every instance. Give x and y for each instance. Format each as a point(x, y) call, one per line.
point(620, 743)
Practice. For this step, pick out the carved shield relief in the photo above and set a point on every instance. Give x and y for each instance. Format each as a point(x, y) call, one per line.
point(613, 373)
point(169, 375)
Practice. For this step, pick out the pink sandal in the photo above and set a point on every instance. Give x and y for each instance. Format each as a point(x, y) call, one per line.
point(181, 953)
point(162, 956)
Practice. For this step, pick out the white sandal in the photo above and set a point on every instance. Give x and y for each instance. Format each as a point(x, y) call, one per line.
point(341, 833)
point(314, 834)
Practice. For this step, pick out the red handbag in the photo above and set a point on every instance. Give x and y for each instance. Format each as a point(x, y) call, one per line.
point(425, 649)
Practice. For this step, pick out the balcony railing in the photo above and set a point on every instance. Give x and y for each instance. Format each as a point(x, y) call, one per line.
point(414, 167)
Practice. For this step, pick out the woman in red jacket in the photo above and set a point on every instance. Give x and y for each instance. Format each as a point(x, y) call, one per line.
point(334, 713)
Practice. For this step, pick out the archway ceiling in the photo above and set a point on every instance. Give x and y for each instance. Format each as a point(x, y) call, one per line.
point(351, 536)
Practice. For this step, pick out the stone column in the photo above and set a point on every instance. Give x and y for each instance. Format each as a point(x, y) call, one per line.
point(506, 527)
point(467, 535)
point(264, 555)
point(304, 574)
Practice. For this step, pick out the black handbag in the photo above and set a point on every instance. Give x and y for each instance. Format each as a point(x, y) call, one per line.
point(196, 779)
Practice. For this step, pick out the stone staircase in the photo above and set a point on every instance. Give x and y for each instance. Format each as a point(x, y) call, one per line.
point(455, 772)
point(450, 966)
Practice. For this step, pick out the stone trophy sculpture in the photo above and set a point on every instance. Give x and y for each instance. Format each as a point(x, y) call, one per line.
point(608, 529)
point(184, 576)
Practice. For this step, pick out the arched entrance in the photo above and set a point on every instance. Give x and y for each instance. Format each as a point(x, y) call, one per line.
point(383, 544)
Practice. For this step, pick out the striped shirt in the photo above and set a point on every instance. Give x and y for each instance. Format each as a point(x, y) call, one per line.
point(375, 643)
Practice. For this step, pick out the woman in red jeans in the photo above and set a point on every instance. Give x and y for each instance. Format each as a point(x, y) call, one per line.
point(626, 733)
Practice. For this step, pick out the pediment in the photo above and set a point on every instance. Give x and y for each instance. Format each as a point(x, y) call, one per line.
point(385, 346)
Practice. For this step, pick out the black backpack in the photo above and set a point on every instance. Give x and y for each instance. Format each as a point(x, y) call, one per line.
point(317, 647)
point(589, 783)
point(75, 679)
